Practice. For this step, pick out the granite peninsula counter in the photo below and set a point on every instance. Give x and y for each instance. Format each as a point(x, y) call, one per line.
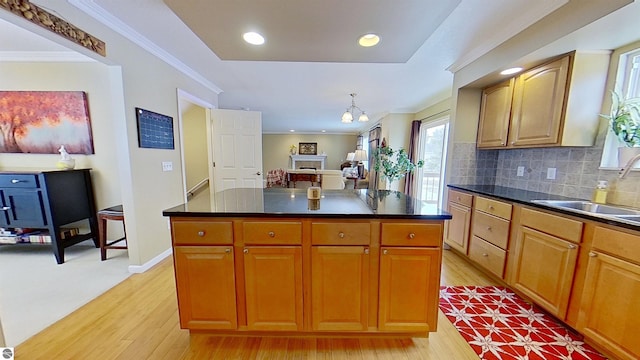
point(259, 262)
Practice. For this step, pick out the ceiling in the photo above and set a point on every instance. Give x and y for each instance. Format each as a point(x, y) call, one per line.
point(302, 76)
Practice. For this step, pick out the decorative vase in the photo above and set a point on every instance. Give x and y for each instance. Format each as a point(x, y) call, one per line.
point(625, 154)
point(66, 164)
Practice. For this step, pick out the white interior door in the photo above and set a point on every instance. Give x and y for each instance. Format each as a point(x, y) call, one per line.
point(237, 149)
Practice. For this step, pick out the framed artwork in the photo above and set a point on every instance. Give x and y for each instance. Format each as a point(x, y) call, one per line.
point(39, 122)
point(305, 148)
point(154, 130)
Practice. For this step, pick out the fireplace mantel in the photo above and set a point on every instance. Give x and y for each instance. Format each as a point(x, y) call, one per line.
point(319, 158)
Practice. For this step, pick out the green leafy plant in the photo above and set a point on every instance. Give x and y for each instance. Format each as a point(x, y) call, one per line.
point(624, 119)
point(393, 165)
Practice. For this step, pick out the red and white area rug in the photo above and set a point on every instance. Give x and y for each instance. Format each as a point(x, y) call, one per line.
point(498, 324)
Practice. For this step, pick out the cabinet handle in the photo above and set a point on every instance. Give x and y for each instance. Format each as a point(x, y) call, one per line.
point(488, 228)
point(272, 234)
point(200, 233)
point(384, 252)
point(5, 208)
point(366, 251)
point(485, 254)
point(458, 198)
point(571, 246)
point(15, 181)
point(228, 251)
point(341, 235)
point(491, 207)
point(592, 254)
point(246, 251)
point(412, 235)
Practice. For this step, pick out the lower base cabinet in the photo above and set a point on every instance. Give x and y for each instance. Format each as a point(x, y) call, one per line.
point(339, 288)
point(206, 287)
point(406, 280)
point(273, 281)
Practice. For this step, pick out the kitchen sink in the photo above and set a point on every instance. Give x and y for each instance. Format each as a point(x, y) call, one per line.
point(621, 213)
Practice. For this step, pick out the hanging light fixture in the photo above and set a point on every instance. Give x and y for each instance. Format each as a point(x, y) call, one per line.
point(347, 117)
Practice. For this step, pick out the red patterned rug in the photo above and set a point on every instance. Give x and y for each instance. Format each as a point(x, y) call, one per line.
point(498, 324)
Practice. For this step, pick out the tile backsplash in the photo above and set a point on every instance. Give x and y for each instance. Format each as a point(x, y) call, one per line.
point(577, 171)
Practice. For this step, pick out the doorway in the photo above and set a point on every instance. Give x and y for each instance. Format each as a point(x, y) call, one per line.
point(432, 149)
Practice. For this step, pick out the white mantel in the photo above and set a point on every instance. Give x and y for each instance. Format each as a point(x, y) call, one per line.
point(321, 158)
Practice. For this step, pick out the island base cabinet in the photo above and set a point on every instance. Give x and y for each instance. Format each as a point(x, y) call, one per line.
point(340, 281)
point(606, 317)
point(206, 287)
point(273, 282)
point(409, 289)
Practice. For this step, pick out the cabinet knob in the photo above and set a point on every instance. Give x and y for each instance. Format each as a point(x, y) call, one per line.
point(412, 235)
point(366, 251)
point(200, 233)
point(458, 198)
point(571, 246)
point(488, 228)
point(490, 207)
point(272, 234)
point(246, 251)
point(341, 235)
point(15, 181)
point(228, 251)
point(592, 254)
point(385, 252)
point(5, 208)
point(485, 254)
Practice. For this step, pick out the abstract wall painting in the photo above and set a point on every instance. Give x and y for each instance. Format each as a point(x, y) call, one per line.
point(38, 122)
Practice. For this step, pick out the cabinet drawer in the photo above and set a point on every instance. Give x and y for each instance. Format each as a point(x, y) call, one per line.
point(492, 229)
point(202, 232)
point(340, 233)
point(272, 232)
point(487, 255)
point(493, 207)
point(460, 198)
point(617, 243)
point(18, 181)
point(559, 226)
point(411, 234)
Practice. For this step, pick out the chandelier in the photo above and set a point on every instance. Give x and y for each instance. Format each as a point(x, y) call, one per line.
point(347, 117)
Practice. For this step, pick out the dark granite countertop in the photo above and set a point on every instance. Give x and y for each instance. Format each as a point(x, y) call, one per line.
point(526, 197)
point(288, 202)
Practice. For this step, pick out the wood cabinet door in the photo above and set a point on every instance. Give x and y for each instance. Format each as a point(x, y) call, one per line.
point(458, 227)
point(609, 305)
point(495, 112)
point(409, 289)
point(339, 287)
point(23, 208)
point(206, 287)
point(543, 269)
point(538, 105)
point(273, 281)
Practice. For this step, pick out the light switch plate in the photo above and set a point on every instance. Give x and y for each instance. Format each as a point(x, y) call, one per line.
point(167, 166)
point(551, 173)
point(520, 171)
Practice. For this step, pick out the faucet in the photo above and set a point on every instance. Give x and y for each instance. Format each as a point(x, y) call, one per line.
point(625, 170)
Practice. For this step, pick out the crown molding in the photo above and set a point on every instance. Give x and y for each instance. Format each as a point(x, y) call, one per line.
point(100, 14)
point(43, 56)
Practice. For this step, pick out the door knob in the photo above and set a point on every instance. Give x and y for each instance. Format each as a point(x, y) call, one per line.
point(258, 173)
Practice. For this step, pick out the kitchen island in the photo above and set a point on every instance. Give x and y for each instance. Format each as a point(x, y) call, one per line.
point(259, 262)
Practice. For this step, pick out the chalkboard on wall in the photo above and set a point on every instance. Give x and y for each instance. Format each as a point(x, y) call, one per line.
point(154, 130)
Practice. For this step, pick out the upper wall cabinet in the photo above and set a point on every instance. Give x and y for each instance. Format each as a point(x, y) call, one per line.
point(554, 104)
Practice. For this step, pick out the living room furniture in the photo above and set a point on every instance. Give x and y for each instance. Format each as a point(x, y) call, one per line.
point(114, 213)
point(331, 179)
point(301, 175)
point(48, 200)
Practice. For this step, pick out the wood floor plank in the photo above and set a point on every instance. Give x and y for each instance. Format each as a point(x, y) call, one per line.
point(138, 319)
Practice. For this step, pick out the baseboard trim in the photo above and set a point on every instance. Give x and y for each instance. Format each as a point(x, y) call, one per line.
point(137, 269)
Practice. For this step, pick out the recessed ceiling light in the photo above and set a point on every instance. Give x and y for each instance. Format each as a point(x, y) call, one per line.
point(253, 38)
point(511, 71)
point(324, 130)
point(292, 130)
point(369, 40)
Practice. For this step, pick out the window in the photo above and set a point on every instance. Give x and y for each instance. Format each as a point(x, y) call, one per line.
point(432, 149)
point(628, 84)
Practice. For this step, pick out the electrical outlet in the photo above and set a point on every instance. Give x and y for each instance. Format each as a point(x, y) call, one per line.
point(551, 173)
point(167, 166)
point(520, 171)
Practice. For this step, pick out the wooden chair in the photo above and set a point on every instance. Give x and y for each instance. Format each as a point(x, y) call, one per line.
point(114, 213)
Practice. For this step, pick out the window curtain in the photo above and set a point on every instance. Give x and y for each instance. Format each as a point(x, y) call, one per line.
point(409, 181)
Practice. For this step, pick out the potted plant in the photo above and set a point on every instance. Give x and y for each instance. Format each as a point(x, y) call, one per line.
point(393, 164)
point(624, 121)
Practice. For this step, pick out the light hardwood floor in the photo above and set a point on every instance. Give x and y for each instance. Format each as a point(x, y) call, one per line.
point(138, 319)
